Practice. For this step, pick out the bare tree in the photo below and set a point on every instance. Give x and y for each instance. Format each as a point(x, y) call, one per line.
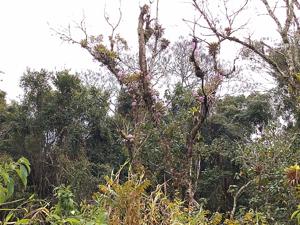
point(139, 80)
point(210, 81)
point(287, 27)
point(215, 31)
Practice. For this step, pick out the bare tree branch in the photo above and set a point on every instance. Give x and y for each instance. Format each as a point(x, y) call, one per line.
point(235, 198)
point(113, 26)
point(272, 14)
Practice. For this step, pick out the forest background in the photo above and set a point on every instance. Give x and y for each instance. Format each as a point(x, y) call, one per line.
point(174, 132)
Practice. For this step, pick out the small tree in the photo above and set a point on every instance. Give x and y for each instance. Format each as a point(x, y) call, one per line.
point(281, 57)
point(139, 85)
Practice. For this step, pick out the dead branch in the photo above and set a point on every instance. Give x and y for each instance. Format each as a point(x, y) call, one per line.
point(235, 198)
point(113, 26)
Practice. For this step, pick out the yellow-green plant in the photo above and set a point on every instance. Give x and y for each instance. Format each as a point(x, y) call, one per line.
point(132, 203)
point(296, 214)
point(293, 178)
point(67, 211)
point(7, 183)
point(23, 210)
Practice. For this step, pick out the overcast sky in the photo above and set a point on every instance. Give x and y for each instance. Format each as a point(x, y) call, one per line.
point(27, 40)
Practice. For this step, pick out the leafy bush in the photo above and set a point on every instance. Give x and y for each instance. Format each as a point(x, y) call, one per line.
point(21, 168)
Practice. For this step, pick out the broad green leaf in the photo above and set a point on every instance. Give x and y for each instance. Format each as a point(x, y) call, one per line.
point(72, 221)
point(23, 221)
point(5, 176)
point(25, 162)
point(22, 173)
point(3, 195)
point(8, 217)
point(295, 214)
point(55, 216)
point(10, 187)
point(31, 197)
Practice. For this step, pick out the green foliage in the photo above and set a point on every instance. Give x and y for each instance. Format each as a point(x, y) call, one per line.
point(131, 203)
point(7, 182)
point(23, 210)
point(296, 214)
point(240, 115)
point(60, 120)
point(66, 211)
point(67, 131)
point(2, 101)
point(265, 161)
point(66, 205)
point(293, 178)
point(250, 217)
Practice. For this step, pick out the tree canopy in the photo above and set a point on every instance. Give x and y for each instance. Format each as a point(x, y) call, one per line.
point(159, 135)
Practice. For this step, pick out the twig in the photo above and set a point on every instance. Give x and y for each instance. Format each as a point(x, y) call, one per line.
point(235, 198)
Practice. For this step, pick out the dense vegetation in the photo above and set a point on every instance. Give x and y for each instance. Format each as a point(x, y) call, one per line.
point(159, 142)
